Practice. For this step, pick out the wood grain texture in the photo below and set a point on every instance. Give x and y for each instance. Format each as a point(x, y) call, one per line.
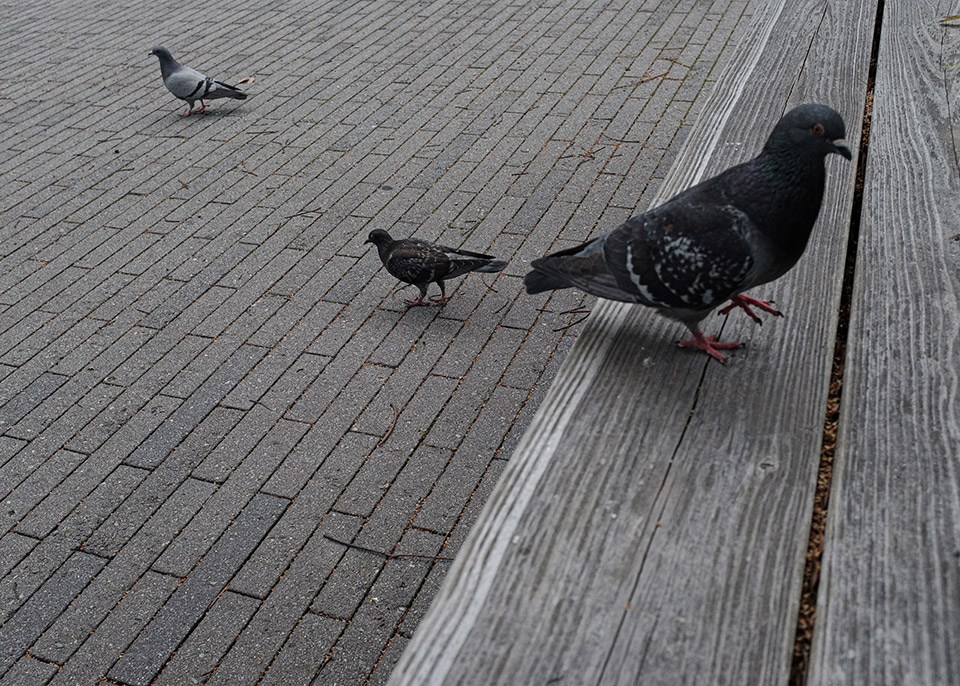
point(652, 525)
point(889, 604)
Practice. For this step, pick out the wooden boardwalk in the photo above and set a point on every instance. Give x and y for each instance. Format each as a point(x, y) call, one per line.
point(652, 526)
point(889, 607)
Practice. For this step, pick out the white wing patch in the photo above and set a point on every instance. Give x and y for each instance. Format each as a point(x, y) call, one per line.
point(635, 278)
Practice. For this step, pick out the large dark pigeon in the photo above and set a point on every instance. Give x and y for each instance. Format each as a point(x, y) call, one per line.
point(744, 227)
point(190, 85)
point(421, 263)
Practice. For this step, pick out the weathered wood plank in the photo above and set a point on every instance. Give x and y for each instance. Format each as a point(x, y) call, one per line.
point(889, 602)
point(652, 524)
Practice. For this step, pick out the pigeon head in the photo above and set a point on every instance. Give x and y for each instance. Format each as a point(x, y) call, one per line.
point(812, 129)
point(379, 237)
point(167, 63)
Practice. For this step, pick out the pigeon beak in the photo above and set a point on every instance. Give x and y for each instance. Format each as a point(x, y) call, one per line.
point(841, 149)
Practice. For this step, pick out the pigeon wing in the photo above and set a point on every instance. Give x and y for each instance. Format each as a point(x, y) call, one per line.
point(187, 83)
point(418, 262)
point(684, 254)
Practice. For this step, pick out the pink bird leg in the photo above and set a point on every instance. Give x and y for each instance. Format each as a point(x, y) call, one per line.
point(709, 345)
point(196, 111)
point(744, 301)
point(443, 295)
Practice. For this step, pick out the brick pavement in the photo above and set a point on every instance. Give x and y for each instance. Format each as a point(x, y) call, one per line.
point(207, 380)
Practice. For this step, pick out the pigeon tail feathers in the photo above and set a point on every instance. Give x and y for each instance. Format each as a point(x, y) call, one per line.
point(225, 90)
point(567, 269)
point(491, 267)
point(538, 280)
point(582, 266)
point(460, 265)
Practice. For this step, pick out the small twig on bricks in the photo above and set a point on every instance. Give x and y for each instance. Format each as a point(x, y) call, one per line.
point(573, 323)
point(389, 556)
point(588, 155)
point(575, 310)
point(302, 213)
point(648, 79)
point(651, 78)
point(396, 413)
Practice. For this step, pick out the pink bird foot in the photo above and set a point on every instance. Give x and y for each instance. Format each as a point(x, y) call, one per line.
point(744, 301)
point(416, 303)
point(441, 299)
point(196, 111)
point(709, 345)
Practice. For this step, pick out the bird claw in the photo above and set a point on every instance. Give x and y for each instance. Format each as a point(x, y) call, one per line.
point(709, 345)
point(744, 302)
point(441, 299)
point(194, 111)
point(416, 303)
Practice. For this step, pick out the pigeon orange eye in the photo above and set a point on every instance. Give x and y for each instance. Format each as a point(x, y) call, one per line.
point(817, 129)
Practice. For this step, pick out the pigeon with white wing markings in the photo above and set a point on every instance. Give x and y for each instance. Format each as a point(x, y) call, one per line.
point(190, 85)
point(421, 263)
point(744, 227)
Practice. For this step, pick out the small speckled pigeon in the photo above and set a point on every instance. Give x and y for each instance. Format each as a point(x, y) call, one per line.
point(421, 263)
point(744, 227)
point(190, 85)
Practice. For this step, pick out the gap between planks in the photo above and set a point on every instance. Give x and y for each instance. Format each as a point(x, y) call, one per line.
point(806, 616)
